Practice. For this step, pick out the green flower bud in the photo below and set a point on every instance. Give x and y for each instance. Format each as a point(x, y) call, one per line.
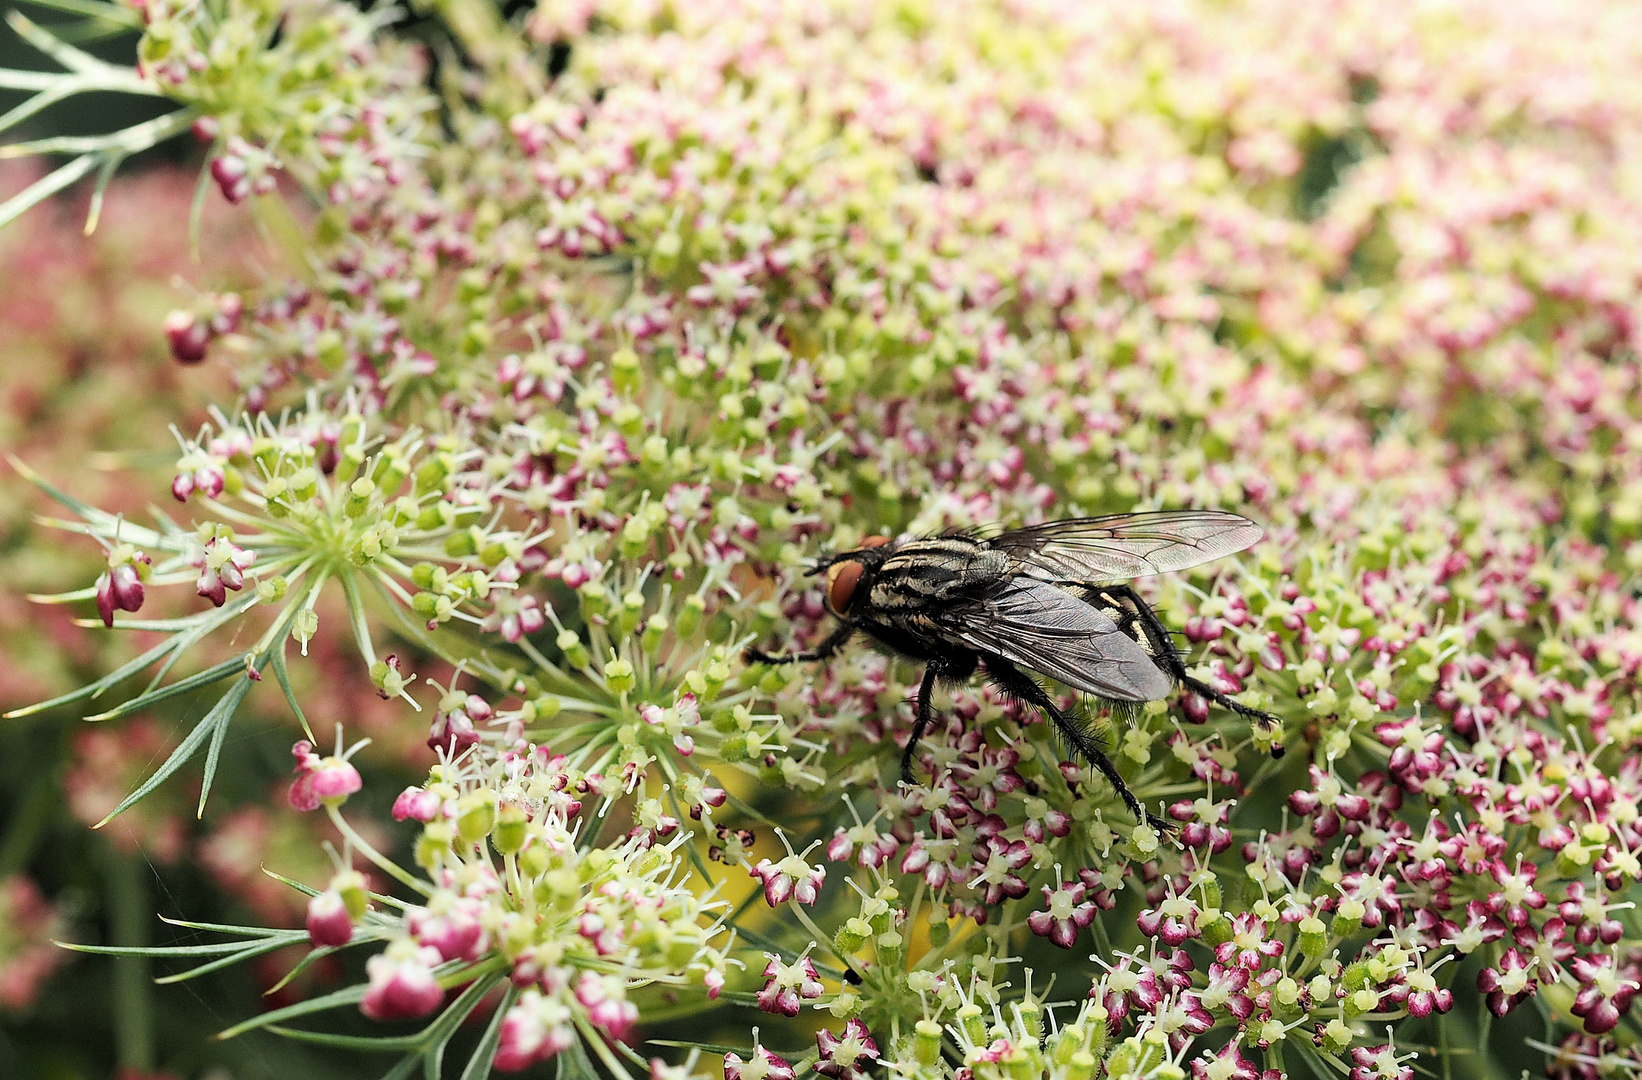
point(926, 1043)
point(544, 707)
point(1032, 1018)
point(511, 830)
point(852, 936)
point(431, 474)
point(1337, 1036)
point(619, 676)
point(575, 653)
point(1313, 937)
point(476, 815)
point(625, 369)
point(595, 600)
point(360, 494)
point(304, 483)
point(970, 1019)
point(350, 886)
point(434, 844)
point(1348, 918)
point(689, 616)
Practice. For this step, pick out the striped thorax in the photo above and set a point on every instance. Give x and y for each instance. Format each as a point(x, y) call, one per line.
point(935, 572)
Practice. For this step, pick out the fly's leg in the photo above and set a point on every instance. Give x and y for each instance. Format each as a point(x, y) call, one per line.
point(926, 713)
point(1169, 659)
point(1013, 681)
point(824, 651)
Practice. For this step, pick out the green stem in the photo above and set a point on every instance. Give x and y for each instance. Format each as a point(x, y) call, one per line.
point(387, 865)
point(129, 913)
point(29, 821)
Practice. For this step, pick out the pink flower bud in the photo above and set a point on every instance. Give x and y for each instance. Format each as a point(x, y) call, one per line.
point(321, 781)
point(417, 803)
point(328, 920)
point(187, 336)
point(401, 985)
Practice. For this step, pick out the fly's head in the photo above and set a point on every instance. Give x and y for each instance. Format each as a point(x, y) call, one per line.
point(844, 571)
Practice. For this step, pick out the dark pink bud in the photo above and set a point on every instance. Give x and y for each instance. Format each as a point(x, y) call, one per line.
point(416, 803)
point(187, 336)
point(328, 921)
point(402, 985)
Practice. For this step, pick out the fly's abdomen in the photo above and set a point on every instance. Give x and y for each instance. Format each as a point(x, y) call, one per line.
point(935, 573)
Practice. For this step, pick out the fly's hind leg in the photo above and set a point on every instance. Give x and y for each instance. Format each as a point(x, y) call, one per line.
point(1013, 681)
point(1168, 657)
point(829, 645)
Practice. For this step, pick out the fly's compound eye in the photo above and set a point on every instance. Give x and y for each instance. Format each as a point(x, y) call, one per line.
point(874, 541)
point(842, 578)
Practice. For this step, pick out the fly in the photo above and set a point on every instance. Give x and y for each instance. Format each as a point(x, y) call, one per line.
point(1048, 598)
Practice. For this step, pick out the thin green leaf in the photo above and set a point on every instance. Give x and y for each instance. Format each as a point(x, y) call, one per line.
point(127, 141)
point(94, 9)
point(196, 209)
point(219, 716)
point(90, 31)
point(170, 647)
point(40, 102)
point(92, 689)
point(711, 1048)
point(308, 959)
point(230, 702)
point(386, 1044)
point(284, 678)
point(61, 51)
point(168, 951)
point(104, 175)
point(767, 944)
point(306, 890)
point(245, 953)
point(152, 626)
point(23, 469)
point(574, 1064)
point(231, 928)
point(351, 995)
point(31, 81)
point(44, 188)
point(356, 616)
point(101, 524)
point(403, 1069)
point(87, 593)
point(213, 674)
point(440, 1031)
point(484, 1055)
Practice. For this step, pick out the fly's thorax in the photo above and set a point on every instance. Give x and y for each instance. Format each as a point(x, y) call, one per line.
point(933, 572)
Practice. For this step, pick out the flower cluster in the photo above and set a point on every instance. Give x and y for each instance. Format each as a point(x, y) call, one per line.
point(569, 399)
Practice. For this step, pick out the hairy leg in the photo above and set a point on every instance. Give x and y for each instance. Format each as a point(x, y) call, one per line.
point(824, 651)
point(1013, 681)
point(1171, 662)
point(926, 713)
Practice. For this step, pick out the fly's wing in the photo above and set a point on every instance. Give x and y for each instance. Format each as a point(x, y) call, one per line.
point(1127, 545)
point(1047, 629)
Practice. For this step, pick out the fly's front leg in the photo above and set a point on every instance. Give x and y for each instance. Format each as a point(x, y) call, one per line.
point(1013, 681)
point(824, 651)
